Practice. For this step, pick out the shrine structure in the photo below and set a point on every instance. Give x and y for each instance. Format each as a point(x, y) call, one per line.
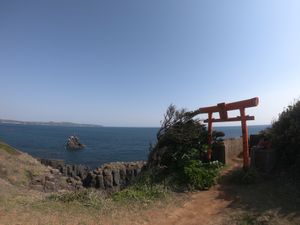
point(222, 109)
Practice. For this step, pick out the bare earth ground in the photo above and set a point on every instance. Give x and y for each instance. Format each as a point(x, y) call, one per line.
point(267, 202)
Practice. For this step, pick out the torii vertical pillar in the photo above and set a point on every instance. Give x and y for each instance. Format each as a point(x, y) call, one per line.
point(245, 139)
point(209, 129)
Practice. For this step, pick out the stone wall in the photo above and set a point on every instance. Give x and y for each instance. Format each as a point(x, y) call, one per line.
point(233, 148)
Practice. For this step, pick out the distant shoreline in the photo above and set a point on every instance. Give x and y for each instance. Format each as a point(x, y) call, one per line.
point(70, 124)
point(50, 123)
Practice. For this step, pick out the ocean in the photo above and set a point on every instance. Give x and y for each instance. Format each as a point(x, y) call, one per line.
point(103, 144)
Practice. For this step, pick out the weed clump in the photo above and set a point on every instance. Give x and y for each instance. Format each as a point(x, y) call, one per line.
point(88, 198)
point(142, 193)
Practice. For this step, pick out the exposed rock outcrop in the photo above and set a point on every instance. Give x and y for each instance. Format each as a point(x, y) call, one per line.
point(73, 143)
point(78, 172)
point(53, 181)
point(114, 176)
point(23, 171)
point(110, 177)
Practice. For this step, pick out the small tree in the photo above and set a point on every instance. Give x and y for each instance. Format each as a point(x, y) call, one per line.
point(181, 149)
point(285, 136)
point(177, 138)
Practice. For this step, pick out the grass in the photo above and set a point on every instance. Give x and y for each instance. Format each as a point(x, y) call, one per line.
point(257, 199)
point(246, 219)
point(79, 207)
point(260, 201)
point(8, 149)
point(20, 205)
point(257, 204)
point(141, 193)
point(16, 167)
point(87, 198)
point(242, 177)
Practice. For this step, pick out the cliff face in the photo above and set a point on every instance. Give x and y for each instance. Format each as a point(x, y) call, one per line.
point(110, 177)
point(114, 176)
point(78, 172)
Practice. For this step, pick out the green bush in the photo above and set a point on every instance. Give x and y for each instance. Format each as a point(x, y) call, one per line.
point(285, 137)
point(201, 175)
point(179, 158)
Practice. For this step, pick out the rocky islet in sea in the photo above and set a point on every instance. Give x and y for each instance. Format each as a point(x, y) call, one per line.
point(73, 143)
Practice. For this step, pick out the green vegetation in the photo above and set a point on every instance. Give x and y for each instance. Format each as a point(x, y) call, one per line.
point(285, 137)
point(201, 175)
point(245, 177)
point(142, 193)
point(138, 193)
point(179, 159)
point(8, 149)
point(177, 162)
point(86, 197)
point(16, 167)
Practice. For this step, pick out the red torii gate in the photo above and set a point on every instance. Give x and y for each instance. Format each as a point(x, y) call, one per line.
point(223, 109)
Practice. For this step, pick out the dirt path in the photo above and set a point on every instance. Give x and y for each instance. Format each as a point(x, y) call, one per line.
point(205, 207)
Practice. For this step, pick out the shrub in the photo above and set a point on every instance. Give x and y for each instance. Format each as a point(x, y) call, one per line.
point(201, 175)
point(285, 137)
point(179, 157)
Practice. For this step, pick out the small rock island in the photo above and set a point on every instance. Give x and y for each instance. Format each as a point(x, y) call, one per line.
point(73, 143)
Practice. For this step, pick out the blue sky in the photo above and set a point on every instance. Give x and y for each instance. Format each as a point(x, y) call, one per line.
point(121, 63)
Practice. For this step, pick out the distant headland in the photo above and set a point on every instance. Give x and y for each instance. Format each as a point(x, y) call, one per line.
point(50, 123)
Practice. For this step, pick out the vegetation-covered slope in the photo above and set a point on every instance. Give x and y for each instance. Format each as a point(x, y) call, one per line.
point(18, 168)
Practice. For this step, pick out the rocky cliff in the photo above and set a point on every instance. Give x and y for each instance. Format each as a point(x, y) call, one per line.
point(110, 177)
point(23, 171)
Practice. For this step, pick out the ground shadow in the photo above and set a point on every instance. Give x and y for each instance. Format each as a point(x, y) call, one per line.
point(267, 194)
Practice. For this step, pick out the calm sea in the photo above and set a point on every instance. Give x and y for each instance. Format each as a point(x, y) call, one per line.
point(104, 144)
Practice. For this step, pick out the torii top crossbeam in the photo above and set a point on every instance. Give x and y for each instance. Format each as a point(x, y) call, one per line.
point(222, 109)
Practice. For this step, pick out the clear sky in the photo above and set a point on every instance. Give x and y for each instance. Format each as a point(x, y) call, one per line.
point(121, 63)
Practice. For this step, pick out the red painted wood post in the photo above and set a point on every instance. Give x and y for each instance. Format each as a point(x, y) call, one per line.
point(209, 151)
point(245, 139)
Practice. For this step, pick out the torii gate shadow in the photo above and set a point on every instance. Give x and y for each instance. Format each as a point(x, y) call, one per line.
point(268, 198)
